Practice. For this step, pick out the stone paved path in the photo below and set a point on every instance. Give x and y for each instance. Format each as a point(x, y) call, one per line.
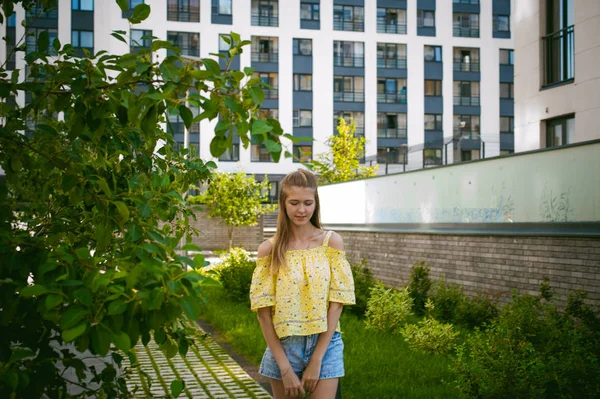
point(208, 372)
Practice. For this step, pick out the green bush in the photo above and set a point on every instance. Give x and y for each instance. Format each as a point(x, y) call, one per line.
point(430, 336)
point(531, 350)
point(477, 311)
point(363, 282)
point(387, 308)
point(235, 274)
point(419, 286)
point(447, 299)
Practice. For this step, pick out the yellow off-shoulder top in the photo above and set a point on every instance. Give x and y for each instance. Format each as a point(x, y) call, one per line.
point(301, 291)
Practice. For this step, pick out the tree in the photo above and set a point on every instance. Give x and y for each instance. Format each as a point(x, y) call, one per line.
point(91, 213)
point(237, 199)
point(343, 162)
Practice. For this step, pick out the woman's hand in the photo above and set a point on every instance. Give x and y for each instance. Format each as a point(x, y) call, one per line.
point(310, 378)
point(291, 384)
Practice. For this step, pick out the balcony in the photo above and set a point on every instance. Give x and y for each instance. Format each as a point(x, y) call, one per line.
point(558, 50)
point(463, 134)
point(175, 13)
point(385, 27)
point(264, 20)
point(465, 1)
point(37, 11)
point(391, 133)
point(459, 31)
point(351, 61)
point(265, 57)
point(460, 66)
point(392, 63)
point(349, 96)
point(472, 101)
point(352, 26)
point(391, 98)
point(271, 94)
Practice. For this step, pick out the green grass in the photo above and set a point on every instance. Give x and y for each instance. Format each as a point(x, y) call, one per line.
point(378, 365)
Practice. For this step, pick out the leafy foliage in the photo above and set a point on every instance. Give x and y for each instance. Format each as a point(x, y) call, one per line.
point(363, 282)
point(235, 274)
point(92, 210)
point(387, 308)
point(343, 162)
point(430, 335)
point(237, 199)
point(419, 286)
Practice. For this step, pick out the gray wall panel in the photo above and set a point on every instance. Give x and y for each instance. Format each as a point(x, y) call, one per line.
point(434, 70)
point(434, 104)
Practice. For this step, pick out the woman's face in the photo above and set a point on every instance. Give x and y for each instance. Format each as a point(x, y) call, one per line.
point(300, 204)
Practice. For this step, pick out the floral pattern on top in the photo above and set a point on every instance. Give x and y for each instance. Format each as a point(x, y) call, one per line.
point(302, 289)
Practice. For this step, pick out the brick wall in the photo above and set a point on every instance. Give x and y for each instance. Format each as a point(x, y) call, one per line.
point(491, 263)
point(213, 234)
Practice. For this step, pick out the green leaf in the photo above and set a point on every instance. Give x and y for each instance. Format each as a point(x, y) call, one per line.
point(186, 115)
point(257, 94)
point(199, 260)
point(72, 316)
point(43, 41)
point(140, 13)
point(218, 146)
point(260, 126)
point(123, 210)
point(53, 300)
point(119, 37)
point(117, 307)
point(32, 290)
point(233, 105)
point(72, 333)
point(272, 146)
point(211, 65)
point(177, 386)
point(47, 129)
point(191, 247)
point(159, 336)
point(123, 5)
point(84, 295)
point(191, 307)
point(121, 340)
point(56, 44)
point(100, 339)
point(149, 120)
point(19, 354)
point(134, 232)
point(104, 187)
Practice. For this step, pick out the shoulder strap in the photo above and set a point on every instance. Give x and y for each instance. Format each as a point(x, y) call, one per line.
point(327, 236)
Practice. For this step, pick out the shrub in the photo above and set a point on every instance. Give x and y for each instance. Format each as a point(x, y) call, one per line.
point(363, 282)
point(387, 308)
point(419, 286)
point(477, 311)
point(430, 335)
point(447, 299)
point(235, 274)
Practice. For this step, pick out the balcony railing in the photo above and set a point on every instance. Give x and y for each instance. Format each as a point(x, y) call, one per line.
point(174, 13)
point(459, 31)
point(391, 133)
point(465, 1)
point(357, 62)
point(392, 63)
point(383, 27)
point(558, 48)
point(265, 57)
point(349, 96)
point(271, 94)
point(472, 134)
point(353, 26)
point(461, 66)
point(37, 11)
point(471, 101)
point(264, 20)
point(391, 98)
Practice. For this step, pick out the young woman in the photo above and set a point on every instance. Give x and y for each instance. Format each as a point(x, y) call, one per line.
point(301, 282)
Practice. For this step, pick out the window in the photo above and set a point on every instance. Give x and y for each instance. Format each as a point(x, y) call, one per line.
point(466, 59)
point(303, 153)
point(391, 125)
point(302, 82)
point(560, 131)
point(223, 45)
point(140, 39)
point(131, 5)
point(465, 24)
point(466, 126)
point(302, 47)
point(302, 118)
point(81, 39)
point(82, 5)
point(265, 113)
point(359, 118)
point(222, 7)
point(433, 87)
point(432, 156)
point(391, 155)
point(268, 78)
point(507, 57)
point(264, 49)
point(232, 154)
point(466, 93)
point(309, 12)
point(507, 90)
point(391, 55)
point(391, 20)
point(183, 10)
point(433, 53)
point(425, 19)
point(558, 43)
point(31, 40)
point(501, 23)
point(507, 152)
point(11, 42)
point(265, 13)
point(507, 124)
point(188, 42)
point(350, 18)
point(260, 154)
point(391, 91)
point(348, 54)
point(433, 122)
point(349, 89)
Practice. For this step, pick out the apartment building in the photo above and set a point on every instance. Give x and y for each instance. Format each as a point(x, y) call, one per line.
point(428, 82)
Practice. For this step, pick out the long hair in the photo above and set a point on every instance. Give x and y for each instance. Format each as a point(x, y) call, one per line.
point(300, 178)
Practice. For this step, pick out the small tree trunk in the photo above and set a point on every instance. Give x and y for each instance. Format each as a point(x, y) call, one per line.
point(230, 232)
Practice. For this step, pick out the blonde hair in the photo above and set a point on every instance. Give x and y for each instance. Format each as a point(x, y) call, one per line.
point(300, 178)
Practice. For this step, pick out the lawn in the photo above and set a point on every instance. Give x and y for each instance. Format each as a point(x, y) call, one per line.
point(378, 365)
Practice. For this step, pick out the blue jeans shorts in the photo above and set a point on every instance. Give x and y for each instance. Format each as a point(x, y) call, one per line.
point(299, 350)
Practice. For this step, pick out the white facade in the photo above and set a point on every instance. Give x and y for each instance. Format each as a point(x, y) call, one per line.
point(580, 98)
point(107, 17)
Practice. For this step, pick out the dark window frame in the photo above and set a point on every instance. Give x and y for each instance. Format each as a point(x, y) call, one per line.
point(298, 156)
point(216, 9)
point(511, 90)
point(233, 154)
point(350, 25)
point(438, 122)
point(421, 18)
point(77, 7)
point(297, 46)
point(298, 82)
point(188, 35)
point(313, 8)
point(437, 51)
point(177, 12)
point(496, 22)
point(383, 21)
point(397, 61)
point(563, 122)
point(437, 87)
point(297, 121)
point(510, 54)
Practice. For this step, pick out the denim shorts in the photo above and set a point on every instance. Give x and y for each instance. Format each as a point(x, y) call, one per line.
point(299, 350)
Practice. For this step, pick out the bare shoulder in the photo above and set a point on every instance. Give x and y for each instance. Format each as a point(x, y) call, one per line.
point(336, 241)
point(264, 249)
